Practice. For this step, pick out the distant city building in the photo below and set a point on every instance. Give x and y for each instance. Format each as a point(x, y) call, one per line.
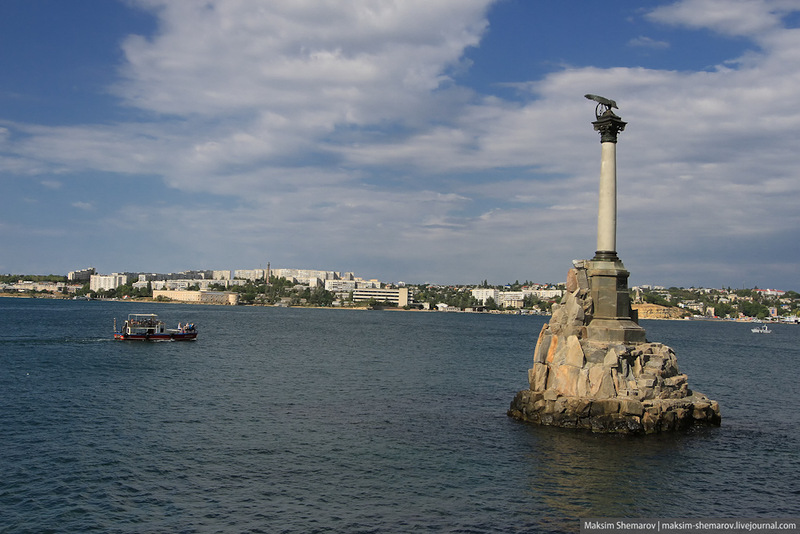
point(482, 294)
point(769, 292)
point(310, 277)
point(194, 275)
point(250, 274)
point(397, 296)
point(221, 275)
point(105, 282)
point(513, 299)
point(173, 285)
point(200, 297)
point(82, 275)
point(24, 286)
point(545, 294)
point(340, 286)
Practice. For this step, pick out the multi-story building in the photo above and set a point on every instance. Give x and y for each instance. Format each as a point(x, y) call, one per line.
point(482, 294)
point(513, 299)
point(340, 286)
point(28, 285)
point(250, 274)
point(200, 297)
point(399, 296)
point(82, 275)
point(221, 275)
point(104, 282)
point(545, 294)
point(193, 275)
point(306, 276)
point(174, 285)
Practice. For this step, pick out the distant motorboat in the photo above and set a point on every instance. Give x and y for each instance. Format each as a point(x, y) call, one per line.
point(148, 327)
point(763, 329)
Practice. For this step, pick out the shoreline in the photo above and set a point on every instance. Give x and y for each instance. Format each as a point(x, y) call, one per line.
point(150, 300)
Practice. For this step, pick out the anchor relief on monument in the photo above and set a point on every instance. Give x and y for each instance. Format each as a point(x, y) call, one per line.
point(593, 367)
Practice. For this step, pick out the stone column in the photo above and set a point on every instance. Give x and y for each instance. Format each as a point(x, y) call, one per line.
point(609, 126)
point(612, 318)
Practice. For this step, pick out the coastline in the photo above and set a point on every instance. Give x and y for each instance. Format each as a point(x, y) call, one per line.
point(150, 300)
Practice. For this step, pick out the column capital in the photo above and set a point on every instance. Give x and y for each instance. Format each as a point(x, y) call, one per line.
point(609, 125)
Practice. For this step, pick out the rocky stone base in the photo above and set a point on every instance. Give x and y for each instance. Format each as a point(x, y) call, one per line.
point(614, 415)
point(582, 378)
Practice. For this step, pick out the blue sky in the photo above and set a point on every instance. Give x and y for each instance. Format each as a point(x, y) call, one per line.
point(424, 140)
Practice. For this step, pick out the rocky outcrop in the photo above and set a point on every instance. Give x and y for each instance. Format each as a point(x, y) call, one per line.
point(611, 415)
point(576, 382)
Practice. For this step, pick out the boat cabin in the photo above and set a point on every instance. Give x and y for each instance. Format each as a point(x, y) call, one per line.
point(143, 324)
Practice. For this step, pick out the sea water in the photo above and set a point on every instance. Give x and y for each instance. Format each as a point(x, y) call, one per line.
point(314, 420)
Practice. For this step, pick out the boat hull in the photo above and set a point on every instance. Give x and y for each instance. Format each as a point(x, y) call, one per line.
point(172, 336)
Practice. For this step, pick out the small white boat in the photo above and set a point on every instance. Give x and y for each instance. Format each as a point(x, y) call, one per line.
point(763, 329)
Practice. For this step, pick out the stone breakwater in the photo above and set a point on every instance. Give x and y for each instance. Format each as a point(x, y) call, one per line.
point(576, 382)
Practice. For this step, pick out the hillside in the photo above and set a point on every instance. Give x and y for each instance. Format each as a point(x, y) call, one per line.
point(654, 311)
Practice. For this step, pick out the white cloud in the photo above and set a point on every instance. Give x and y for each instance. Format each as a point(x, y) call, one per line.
point(748, 18)
point(648, 42)
point(85, 206)
point(315, 64)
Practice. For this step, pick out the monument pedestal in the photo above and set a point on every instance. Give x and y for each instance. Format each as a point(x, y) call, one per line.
point(612, 318)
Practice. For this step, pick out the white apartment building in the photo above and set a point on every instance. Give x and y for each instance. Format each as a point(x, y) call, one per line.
point(310, 277)
point(513, 299)
point(545, 294)
point(104, 282)
point(481, 294)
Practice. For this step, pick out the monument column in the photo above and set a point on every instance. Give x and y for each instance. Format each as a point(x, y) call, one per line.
point(612, 318)
point(609, 126)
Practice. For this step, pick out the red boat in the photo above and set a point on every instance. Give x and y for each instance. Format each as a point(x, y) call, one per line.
point(148, 327)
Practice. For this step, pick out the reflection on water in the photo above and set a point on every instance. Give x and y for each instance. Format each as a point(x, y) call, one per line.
point(580, 474)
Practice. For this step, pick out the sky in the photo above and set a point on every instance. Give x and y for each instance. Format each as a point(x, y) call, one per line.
point(425, 141)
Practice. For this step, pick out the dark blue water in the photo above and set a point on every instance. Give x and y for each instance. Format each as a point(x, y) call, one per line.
point(295, 420)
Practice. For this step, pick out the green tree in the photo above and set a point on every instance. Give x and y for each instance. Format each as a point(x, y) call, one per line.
point(724, 309)
point(655, 298)
point(321, 297)
point(754, 309)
